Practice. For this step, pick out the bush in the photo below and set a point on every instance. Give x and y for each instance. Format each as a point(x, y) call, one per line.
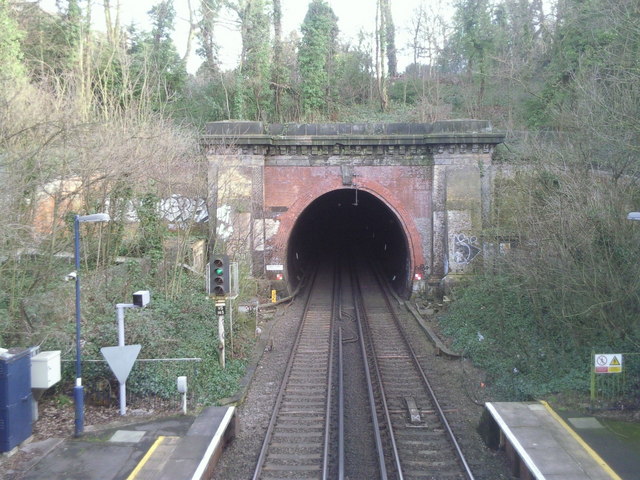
point(494, 323)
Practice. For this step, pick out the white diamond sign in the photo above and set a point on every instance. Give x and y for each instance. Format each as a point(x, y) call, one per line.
point(121, 359)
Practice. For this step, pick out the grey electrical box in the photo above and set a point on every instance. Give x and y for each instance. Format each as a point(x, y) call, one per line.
point(45, 369)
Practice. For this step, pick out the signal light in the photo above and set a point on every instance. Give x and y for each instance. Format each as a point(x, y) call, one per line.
point(219, 284)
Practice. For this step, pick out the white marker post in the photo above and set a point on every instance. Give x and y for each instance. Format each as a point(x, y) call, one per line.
point(220, 311)
point(182, 388)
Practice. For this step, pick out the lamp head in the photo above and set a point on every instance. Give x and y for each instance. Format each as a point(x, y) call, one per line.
point(95, 217)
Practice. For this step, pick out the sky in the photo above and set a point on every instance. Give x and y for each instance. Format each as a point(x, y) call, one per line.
point(353, 16)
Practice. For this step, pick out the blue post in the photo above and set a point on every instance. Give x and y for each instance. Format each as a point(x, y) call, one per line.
point(78, 392)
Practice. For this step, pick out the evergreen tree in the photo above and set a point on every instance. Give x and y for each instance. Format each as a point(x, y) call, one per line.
point(252, 94)
point(10, 50)
point(471, 45)
point(255, 64)
point(209, 10)
point(316, 57)
point(278, 73)
point(390, 39)
point(158, 70)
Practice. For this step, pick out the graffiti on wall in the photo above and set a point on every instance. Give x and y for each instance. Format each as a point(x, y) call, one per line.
point(465, 248)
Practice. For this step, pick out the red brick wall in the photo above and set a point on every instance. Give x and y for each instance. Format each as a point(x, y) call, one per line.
point(405, 190)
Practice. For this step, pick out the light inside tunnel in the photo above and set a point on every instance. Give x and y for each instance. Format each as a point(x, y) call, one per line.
point(344, 223)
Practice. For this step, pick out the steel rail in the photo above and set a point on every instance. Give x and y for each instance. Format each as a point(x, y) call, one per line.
point(460, 455)
point(327, 425)
point(340, 407)
point(382, 465)
point(340, 383)
point(262, 458)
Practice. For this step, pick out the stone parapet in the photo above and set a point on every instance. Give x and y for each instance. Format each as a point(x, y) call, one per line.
point(354, 139)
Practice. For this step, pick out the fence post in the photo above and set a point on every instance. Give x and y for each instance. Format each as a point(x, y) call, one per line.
point(593, 378)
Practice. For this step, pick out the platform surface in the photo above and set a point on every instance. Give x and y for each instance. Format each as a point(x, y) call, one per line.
point(546, 444)
point(189, 456)
point(167, 448)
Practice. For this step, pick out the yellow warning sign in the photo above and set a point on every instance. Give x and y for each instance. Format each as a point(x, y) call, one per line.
point(274, 296)
point(608, 363)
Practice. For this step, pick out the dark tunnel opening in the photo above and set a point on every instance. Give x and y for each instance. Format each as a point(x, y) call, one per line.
point(346, 222)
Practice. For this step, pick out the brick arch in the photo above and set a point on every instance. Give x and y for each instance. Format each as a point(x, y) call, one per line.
point(411, 233)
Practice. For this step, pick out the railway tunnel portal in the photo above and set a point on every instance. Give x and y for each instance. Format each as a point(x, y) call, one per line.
point(414, 197)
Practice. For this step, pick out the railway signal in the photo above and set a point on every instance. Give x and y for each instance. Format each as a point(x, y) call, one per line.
point(219, 284)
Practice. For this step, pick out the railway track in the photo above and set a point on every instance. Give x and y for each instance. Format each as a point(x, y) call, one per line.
point(420, 443)
point(402, 434)
point(297, 441)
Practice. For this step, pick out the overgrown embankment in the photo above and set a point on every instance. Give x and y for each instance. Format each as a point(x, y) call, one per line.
point(567, 285)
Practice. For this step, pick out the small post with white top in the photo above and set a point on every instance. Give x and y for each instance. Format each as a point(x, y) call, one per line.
point(182, 388)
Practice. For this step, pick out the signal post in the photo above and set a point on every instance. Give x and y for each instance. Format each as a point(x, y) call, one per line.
point(218, 286)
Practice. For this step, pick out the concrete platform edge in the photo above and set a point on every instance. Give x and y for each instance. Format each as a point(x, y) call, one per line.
point(582, 443)
point(522, 453)
point(214, 444)
point(503, 413)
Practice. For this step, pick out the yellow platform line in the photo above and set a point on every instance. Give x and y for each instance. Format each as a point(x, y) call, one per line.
point(146, 457)
point(584, 445)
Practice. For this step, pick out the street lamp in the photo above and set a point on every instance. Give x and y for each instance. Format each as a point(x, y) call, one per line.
point(78, 392)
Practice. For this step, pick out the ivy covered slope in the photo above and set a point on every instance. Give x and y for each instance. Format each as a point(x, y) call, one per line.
point(179, 322)
point(568, 287)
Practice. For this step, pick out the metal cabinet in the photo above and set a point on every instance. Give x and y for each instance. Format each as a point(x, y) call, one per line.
point(15, 398)
point(45, 369)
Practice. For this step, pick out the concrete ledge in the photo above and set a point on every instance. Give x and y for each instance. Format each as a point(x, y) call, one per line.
point(441, 348)
point(193, 456)
point(225, 432)
point(540, 445)
point(237, 128)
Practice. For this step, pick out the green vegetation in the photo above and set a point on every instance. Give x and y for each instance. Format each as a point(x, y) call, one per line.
point(570, 285)
point(316, 56)
point(494, 323)
point(109, 121)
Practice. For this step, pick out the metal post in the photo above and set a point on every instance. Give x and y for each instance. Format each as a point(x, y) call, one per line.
point(123, 385)
point(593, 379)
point(120, 317)
point(221, 340)
point(231, 325)
point(78, 392)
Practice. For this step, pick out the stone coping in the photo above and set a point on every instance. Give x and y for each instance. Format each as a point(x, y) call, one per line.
point(327, 134)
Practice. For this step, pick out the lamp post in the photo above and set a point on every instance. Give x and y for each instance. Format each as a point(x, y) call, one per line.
point(78, 392)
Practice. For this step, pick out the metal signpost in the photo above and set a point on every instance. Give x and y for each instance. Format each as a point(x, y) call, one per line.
point(122, 357)
point(605, 363)
point(78, 390)
point(220, 282)
point(121, 360)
